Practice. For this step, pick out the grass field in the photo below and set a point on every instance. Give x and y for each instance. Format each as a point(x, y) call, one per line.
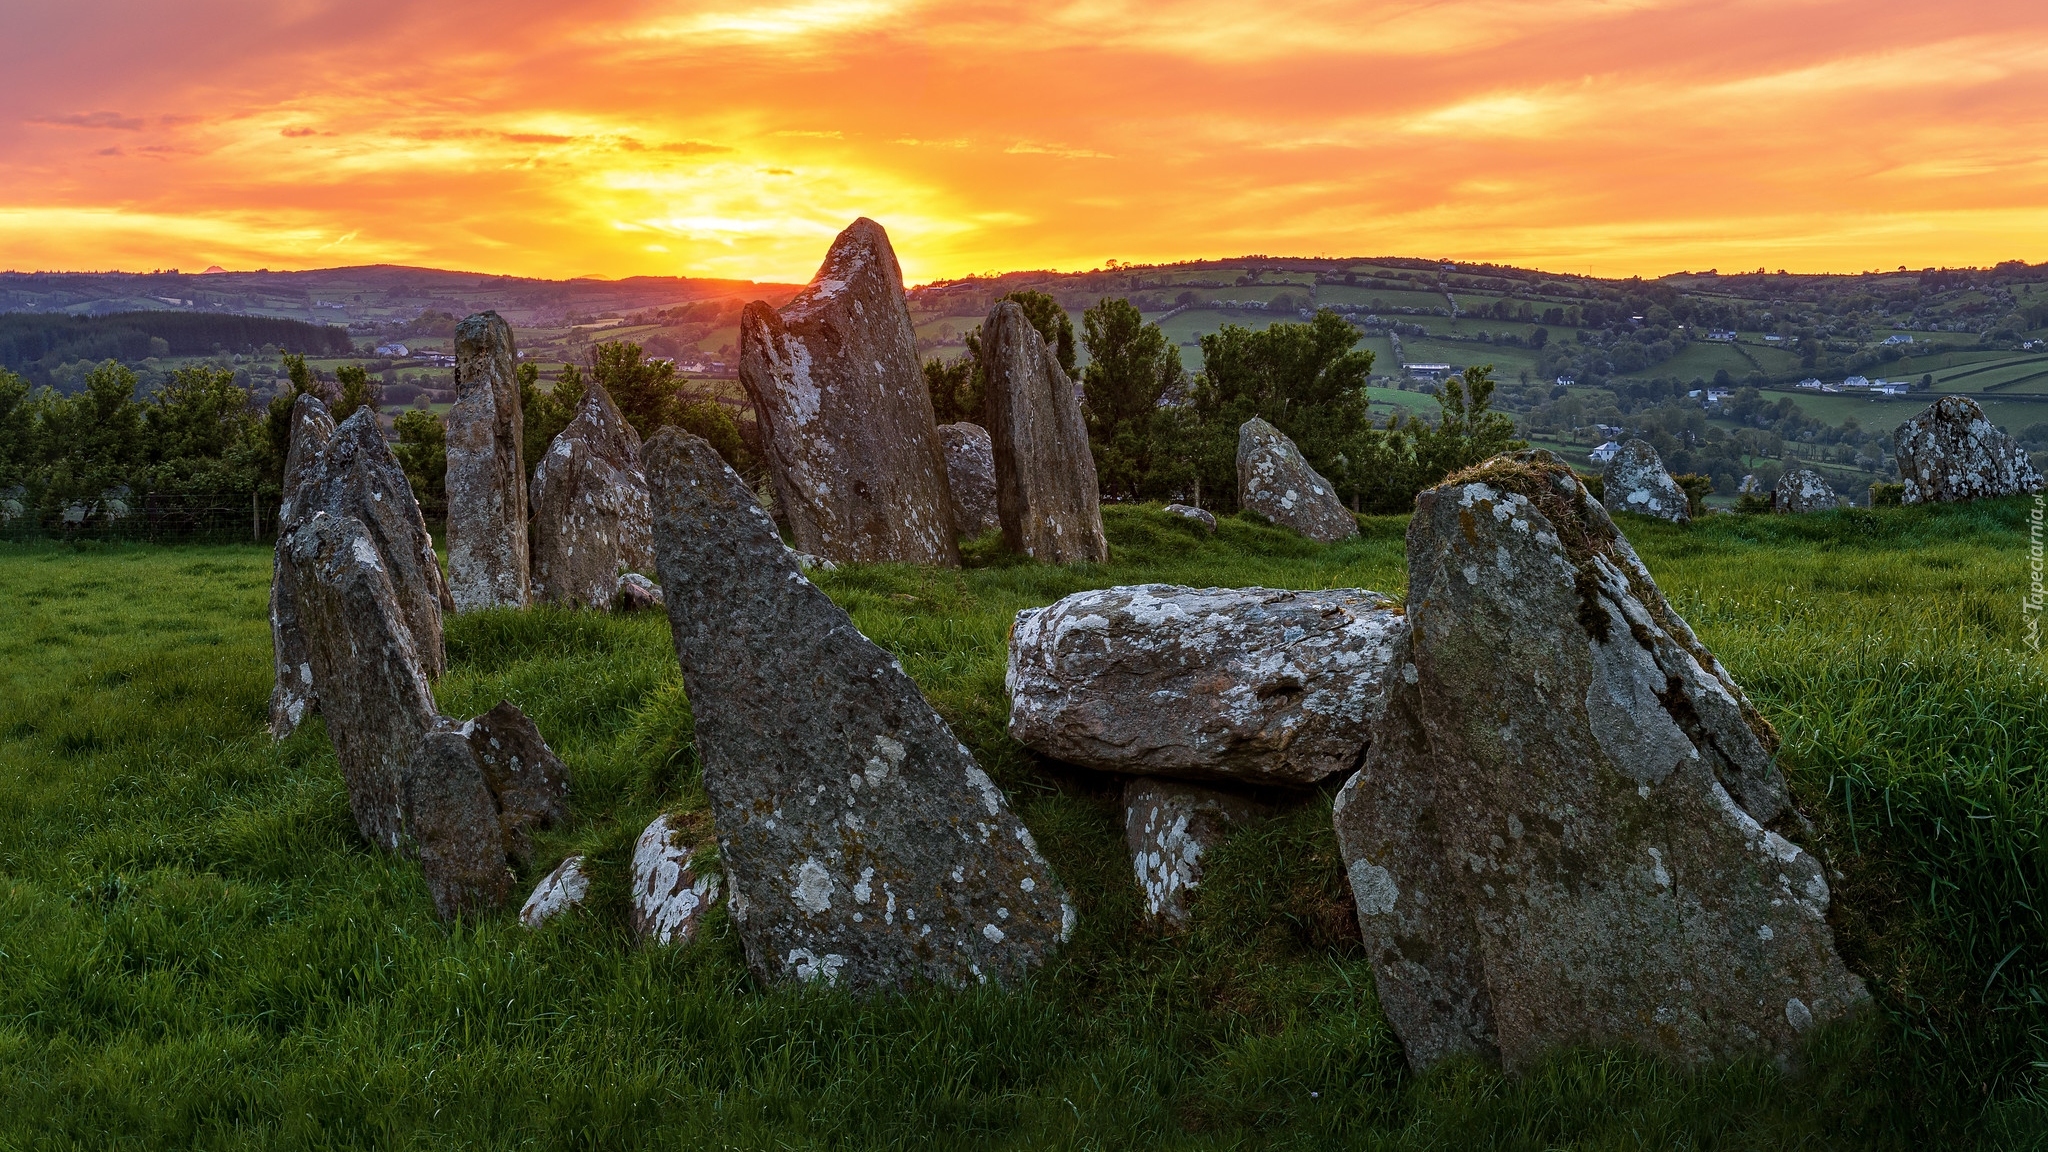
point(197, 951)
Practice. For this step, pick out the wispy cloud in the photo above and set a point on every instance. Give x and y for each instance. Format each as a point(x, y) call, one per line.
point(111, 120)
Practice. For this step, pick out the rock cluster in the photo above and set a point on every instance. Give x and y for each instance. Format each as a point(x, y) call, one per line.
point(1635, 481)
point(590, 520)
point(1559, 834)
point(1275, 481)
point(1187, 512)
point(487, 545)
point(846, 420)
point(861, 844)
point(1046, 491)
point(1952, 452)
point(1256, 685)
point(670, 897)
point(971, 476)
point(1803, 490)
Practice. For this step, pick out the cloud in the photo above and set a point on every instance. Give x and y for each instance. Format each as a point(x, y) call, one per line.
point(1027, 148)
point(112, 120)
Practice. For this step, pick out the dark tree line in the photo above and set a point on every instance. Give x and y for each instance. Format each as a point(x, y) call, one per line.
point(33, 343)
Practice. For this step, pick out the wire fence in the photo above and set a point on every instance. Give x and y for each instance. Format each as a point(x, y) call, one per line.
point(154, 517)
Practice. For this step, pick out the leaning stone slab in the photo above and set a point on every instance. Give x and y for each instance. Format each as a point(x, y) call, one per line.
point(487, 545)
point(670, 897)
point(590, 507)
point(452, 823)
point(1952, 452)
point(366, 670)
point(971, 477)
point(1560, 834)
point(558, 892)
point(1251, 684)
point(1275, 481)
point(1169, 826)
point(291, 693)
point(529, 784)
point(1046, 491)
point(1803, 490)
point(1635, 481)
point(861, 843)
point(846, 421)
point(356, 476)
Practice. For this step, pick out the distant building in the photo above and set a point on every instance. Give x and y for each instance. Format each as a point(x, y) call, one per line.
point(1774, 338)
point(1901, 338)
point(1429, 370)
point(1856, 382)
point(1567, 381)
point(1812, 382)
point(1604, 453)
point(1722, 335)
point(395, 351)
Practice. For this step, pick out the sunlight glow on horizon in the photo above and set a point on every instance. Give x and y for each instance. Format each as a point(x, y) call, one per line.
point(708, 139)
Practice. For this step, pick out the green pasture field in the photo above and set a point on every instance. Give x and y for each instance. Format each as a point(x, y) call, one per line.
point(197, 950)
point(1701, 359)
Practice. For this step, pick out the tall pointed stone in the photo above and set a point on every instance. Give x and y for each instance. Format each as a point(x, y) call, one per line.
point(1635, 481)
point(1046, 492)
point(357, 476)
point(590, 508)
point(846, 423)
point(373, 691)
point(862, 844)
point(1952, 452)
point(971, 474)
point(1559, 835)
point(487, 547)
point(291, 692)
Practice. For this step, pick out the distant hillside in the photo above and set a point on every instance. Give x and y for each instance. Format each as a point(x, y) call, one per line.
point(33, 344)
point(366, 300)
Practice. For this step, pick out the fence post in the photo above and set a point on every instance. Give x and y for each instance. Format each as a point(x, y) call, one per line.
point(255, 521)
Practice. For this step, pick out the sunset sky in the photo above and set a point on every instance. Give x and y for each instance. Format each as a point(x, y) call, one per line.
point(717, 138)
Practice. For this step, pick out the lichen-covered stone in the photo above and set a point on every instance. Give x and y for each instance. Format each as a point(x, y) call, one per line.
point(528, 782)
point(1558, 836)
point(1252, 684)
point(291, 692)
point(1635, 481)
point(487, 544)
point(1169, 826)
point(590, 507)
point(1803, 490)
point(1188, 512)
point(1275, 481)
point(357, 477)
point(846, 421)
point(452, 823)
point(366, 671)
point(1952, 452)
point(971, 477)
point(1046, 492)
point(670, 897)
point(861, 843)
point(636, 593)
point(558, 892)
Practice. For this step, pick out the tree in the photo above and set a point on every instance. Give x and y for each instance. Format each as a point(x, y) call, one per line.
point(277, 421)
point(423, 452)
point(1466, 431)
point(1052, 322)
point(545, 413)
point(644, 390)
point(956, 388)
point(200, 435)
point(1130, 366)
point(18, 409)
point(358, 391)
point(1305, 379)
point(710, 420)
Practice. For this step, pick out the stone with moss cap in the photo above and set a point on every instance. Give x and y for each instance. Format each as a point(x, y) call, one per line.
point(1565, 831)
point(860, 842)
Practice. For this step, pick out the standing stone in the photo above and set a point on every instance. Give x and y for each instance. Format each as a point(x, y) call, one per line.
point(1951, 452)
point(366, 671)
point(1275, 481)
point(1803, 490)
point(1169, 827)
point(670, 897)
point(1206, 519)
point(1635, 481)
point(846, 422)
point(291, 693)
point(862, 845)
point(971, 476)
point(1251, 684)
point(1558, 834)
point(487, 557)
point(453, 824)
point(558, 891)
point(1046, 493)
point(590, 507)
point(1750, 486)
point(357, 477)
point(527, 781)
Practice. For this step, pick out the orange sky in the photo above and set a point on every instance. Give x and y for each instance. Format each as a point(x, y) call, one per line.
point(733, 139)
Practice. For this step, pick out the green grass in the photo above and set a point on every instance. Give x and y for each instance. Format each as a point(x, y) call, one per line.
point(196, 951)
